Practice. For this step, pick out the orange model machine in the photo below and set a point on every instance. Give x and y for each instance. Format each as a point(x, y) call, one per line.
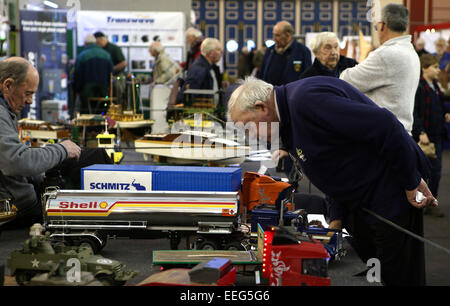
point(260, 189)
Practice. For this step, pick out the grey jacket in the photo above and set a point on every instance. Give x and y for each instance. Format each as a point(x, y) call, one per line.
point(18, 162)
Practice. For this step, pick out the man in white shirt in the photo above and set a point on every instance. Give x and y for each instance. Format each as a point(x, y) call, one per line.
point(389, 76)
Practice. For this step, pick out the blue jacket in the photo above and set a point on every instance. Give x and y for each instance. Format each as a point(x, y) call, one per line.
point(298, 61)
point(318, 69)
point(354, 151)
point(198, 77)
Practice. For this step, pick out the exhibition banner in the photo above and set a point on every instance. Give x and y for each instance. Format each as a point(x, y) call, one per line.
point(134, 32)
point(44, 44)
point(133, 28)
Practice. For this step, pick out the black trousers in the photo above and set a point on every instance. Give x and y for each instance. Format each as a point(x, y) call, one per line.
point(71, 169)
point(67, 175)
point(402, 257)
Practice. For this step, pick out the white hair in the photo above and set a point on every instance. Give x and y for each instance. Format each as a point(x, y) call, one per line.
point(157, 46)
point(89, 39)
point(194, 32)
point(319, 39)
point(440, 39)
point(209, 44)
point(248, 93)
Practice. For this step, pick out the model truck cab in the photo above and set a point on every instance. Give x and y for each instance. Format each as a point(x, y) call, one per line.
point(293, 259)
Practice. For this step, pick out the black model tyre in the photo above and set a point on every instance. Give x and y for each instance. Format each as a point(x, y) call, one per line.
point(93, 243)
point(106, 280)
point(207, 244)
point(234, 246)
point(24, 276)
point(104, 238)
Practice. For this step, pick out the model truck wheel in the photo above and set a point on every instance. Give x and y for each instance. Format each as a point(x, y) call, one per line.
point(106, 280)
point(92, 243)
point(207, 244)
point(234, 246)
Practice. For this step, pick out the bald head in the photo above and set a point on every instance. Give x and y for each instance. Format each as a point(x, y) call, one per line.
point(156, 48)
point(19, 81)
point(285, 27)
point(283, 34)
point(15, 68)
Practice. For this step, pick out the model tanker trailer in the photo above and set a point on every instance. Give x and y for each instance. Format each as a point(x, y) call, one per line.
point(81, 216)
point(212, 217)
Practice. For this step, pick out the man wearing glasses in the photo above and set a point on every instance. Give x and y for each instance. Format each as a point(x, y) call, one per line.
point(389, 76)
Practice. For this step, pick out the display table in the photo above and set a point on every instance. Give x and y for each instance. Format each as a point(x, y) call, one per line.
point(88, 120)
point(137, 255)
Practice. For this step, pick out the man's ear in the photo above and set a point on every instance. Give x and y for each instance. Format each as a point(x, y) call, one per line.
point(260, 105)
point(8, 85)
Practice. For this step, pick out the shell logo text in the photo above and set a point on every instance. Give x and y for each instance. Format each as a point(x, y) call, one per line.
point(86, 205)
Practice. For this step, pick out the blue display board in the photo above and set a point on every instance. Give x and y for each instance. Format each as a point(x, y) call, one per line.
point(43, 42)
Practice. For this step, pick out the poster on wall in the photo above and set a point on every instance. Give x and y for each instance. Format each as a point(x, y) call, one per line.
point(134, 32)
point(132, 28)
point(43, 43)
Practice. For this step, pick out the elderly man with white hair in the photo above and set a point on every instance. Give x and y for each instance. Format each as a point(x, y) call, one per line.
point(165, 70)
point(357, 153)
point(440, 45)
point(328, 61)
point(203, 74)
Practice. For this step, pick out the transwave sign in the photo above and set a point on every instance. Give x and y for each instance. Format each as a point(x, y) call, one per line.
point(133, 28)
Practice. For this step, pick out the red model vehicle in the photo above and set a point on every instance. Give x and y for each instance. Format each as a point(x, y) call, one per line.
point(292, 259)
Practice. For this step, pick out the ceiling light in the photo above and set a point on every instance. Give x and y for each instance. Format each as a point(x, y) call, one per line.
point(51, 4)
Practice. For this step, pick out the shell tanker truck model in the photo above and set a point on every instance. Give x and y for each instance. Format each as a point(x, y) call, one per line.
point(78, 216)
point(84, 216)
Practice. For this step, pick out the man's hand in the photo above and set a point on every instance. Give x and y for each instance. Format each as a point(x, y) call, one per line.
point(73, 151)
point(423, 138)
point(429, 199)
point(335, 224)
point(278, 154)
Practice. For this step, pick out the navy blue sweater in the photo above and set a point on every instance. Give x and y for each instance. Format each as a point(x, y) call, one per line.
point(318, 69)
point(198, 77)
point(353, 150)
point(282, 69)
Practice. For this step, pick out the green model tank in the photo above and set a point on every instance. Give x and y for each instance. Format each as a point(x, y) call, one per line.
point(39, 256)
point(58, 277)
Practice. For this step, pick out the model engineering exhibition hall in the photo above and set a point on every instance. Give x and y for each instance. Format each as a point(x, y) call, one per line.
point(218, 149)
